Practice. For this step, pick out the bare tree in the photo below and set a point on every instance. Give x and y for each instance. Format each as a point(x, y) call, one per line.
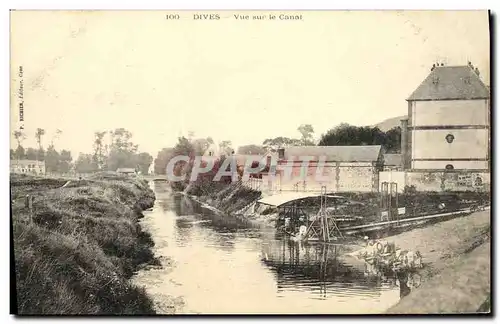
point(19, 136)
point(40, 132)
point(99, 149)
point(56, 136)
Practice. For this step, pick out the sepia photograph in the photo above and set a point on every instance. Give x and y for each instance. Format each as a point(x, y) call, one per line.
point(250, 162)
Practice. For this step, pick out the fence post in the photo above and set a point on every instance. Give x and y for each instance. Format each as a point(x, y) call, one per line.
point(29, 204)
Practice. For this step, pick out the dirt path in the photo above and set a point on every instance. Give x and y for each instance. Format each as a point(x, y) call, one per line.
point(441, 243)
point(456, 278)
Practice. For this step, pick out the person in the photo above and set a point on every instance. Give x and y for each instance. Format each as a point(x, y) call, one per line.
point(302, 231)
point(369, 250)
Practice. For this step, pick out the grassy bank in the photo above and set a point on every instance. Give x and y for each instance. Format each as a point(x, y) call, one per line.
point(228, 198)
point(81, 245)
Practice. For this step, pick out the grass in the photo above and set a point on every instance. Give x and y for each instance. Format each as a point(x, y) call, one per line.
point(81, 246)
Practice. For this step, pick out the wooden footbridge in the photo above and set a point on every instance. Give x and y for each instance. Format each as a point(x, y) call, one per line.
point(330, 226)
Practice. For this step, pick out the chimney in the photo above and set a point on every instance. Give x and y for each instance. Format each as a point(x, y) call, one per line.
point(404, 143)
point(281, 153)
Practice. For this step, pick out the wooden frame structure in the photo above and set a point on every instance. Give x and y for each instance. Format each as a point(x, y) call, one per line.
point(324, 224)
point(389, 202)
point(320, 228)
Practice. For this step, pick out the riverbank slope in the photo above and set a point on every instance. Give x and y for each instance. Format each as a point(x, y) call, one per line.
point(76, 250)
point(456, 276)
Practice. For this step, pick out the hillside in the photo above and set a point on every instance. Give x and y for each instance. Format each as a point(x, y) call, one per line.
point(389, 123)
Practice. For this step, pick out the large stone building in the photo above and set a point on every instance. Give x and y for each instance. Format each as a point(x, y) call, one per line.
point(448, 126)
point(344, 168)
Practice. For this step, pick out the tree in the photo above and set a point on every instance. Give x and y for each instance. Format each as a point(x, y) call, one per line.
point(56, 136)
point(31, 153)
point(20, 153)
point(306, 131)
point(279, 142)
point(19, 136)
point(122, 151)
point(226, 147)
point(143, 162)
point(40, 155)
point(12, 154)
point(200, 145)
point(85, 164)
point(183, 148)
point(99, 150)
point(65, 161)
point(393, 140)
point(52, 159)
point(40, 132)
point(161, 161)
point(251, 149)
point(345, 134)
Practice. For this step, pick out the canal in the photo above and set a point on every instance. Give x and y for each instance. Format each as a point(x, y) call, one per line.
point(219, 265)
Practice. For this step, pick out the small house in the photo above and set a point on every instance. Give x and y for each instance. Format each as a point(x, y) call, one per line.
point(126, 171)
point(27, 167)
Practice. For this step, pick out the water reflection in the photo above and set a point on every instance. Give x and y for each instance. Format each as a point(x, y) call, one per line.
point(321, 268)
point(223, 265)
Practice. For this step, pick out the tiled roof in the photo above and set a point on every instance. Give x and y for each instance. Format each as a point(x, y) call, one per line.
point(26, 162)
point(451, 82)
point(393, 159)
point(362, 153)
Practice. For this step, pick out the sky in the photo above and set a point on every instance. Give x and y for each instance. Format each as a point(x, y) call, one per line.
point(237, 80)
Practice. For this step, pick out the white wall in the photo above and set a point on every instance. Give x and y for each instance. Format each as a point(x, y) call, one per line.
point(398, 177)
point(433, 181)
point(432, 144)
point(450, 112)
point(352, 176)
point(458, 165)
point(468, 143)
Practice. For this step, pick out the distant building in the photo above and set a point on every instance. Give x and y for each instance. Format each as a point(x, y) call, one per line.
point(346, 168)
point(28, 167)
point(448, 126)
point(126, 171)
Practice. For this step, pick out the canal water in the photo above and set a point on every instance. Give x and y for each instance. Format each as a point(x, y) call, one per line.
point(219, 265)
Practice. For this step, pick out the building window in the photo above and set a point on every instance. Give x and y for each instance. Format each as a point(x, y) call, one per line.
point(450, 138)
point(449, 167)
